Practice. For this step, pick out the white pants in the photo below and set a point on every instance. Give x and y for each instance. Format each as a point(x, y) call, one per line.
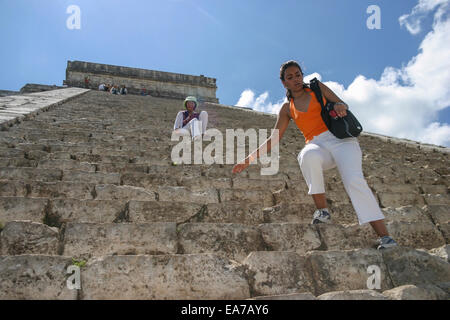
point(194, 127)
point(324, 152)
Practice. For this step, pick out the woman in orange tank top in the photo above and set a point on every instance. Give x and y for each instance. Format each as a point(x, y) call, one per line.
point(323, 151)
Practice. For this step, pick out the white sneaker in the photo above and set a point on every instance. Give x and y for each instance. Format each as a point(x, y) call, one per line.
point(321, 216)
point(386, 242)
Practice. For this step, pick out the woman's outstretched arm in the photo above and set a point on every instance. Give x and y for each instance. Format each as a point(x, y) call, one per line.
point(281, 125)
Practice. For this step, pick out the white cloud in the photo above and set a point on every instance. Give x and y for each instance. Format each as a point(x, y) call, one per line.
point(413, 20)
point(405, 101)
point(248, 100)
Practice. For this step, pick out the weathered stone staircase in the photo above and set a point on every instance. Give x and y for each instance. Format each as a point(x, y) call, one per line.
point(91, 182)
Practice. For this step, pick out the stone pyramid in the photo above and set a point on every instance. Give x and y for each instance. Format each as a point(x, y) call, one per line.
point(86, 179)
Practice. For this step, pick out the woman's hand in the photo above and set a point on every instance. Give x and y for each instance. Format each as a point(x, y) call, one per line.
point(341, 110)
point(238, 168)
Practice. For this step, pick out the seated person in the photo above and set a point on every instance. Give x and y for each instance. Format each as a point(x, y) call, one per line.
point(190, 122)
point(123, 90)
point(114, 90)
point(102, 87)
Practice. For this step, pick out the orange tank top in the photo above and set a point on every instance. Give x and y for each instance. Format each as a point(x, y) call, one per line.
point(310, 122)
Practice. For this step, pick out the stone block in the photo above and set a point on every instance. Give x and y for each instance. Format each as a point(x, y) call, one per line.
point(439, 213)
point(30, 174)
point(17, 162)
point(203, 183)
point(289, 296)
point(345, 270)
point(163, 211)
point(395, 188)
point(255, 196)
point(258, 184)
point(231, 240)
point(184, 194)
point(291, 196)
point(18, 208)
point(410, 266)
point(27, 237)
point(416, 292)
point(164, 277)
point(445, 230)
point(399, 199)
point(442, 252)
point(289, 212)
point(66, 165)
point(122, 168)
point(61, 189)
point(94, 211)
point(147, 180)
point(405, 214)
point(353, 295)
point(91, 177)
point(437, 199)
point(113, 192)
point(85, 240)
point(277, 272)
point(234, 212)
point(11, 153)
point(12, 188)
point(42, 277)
point(434, 188)
point(416, 234)
point(296, 237)
point(338, 237)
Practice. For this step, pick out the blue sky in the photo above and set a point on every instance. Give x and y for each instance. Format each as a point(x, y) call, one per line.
point(242, 44)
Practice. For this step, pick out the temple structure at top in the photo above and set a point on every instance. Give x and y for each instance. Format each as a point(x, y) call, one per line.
point(141, 81)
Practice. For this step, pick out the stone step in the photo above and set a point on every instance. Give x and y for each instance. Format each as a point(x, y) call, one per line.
point(115, 192)
point(20, 208)
point(10, 188)
point(230, 240)
point(122, 168)
point(18, 162)
point(62, 189)
point(28, 277)
point(27, 237)
point(278, 272)
point(87, 240)
point(137, 211)
point(11, 153)
point(353, 295)
point(91, 177)
point(27, 174)
point(437, 199)
point(419, 292)
point(264, 197)
point(70, 148)
point(193, 276)
point(396, 199)
point(415, 235)
point(67, 165)
point(164, 211)
point(172, 193)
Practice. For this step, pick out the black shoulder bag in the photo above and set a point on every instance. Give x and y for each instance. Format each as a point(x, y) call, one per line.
point(344, 127)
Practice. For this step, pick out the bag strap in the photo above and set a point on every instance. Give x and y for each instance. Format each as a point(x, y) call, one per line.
point(314, 85)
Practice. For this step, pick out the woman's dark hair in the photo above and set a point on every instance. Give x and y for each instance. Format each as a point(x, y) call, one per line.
point(283, 68)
